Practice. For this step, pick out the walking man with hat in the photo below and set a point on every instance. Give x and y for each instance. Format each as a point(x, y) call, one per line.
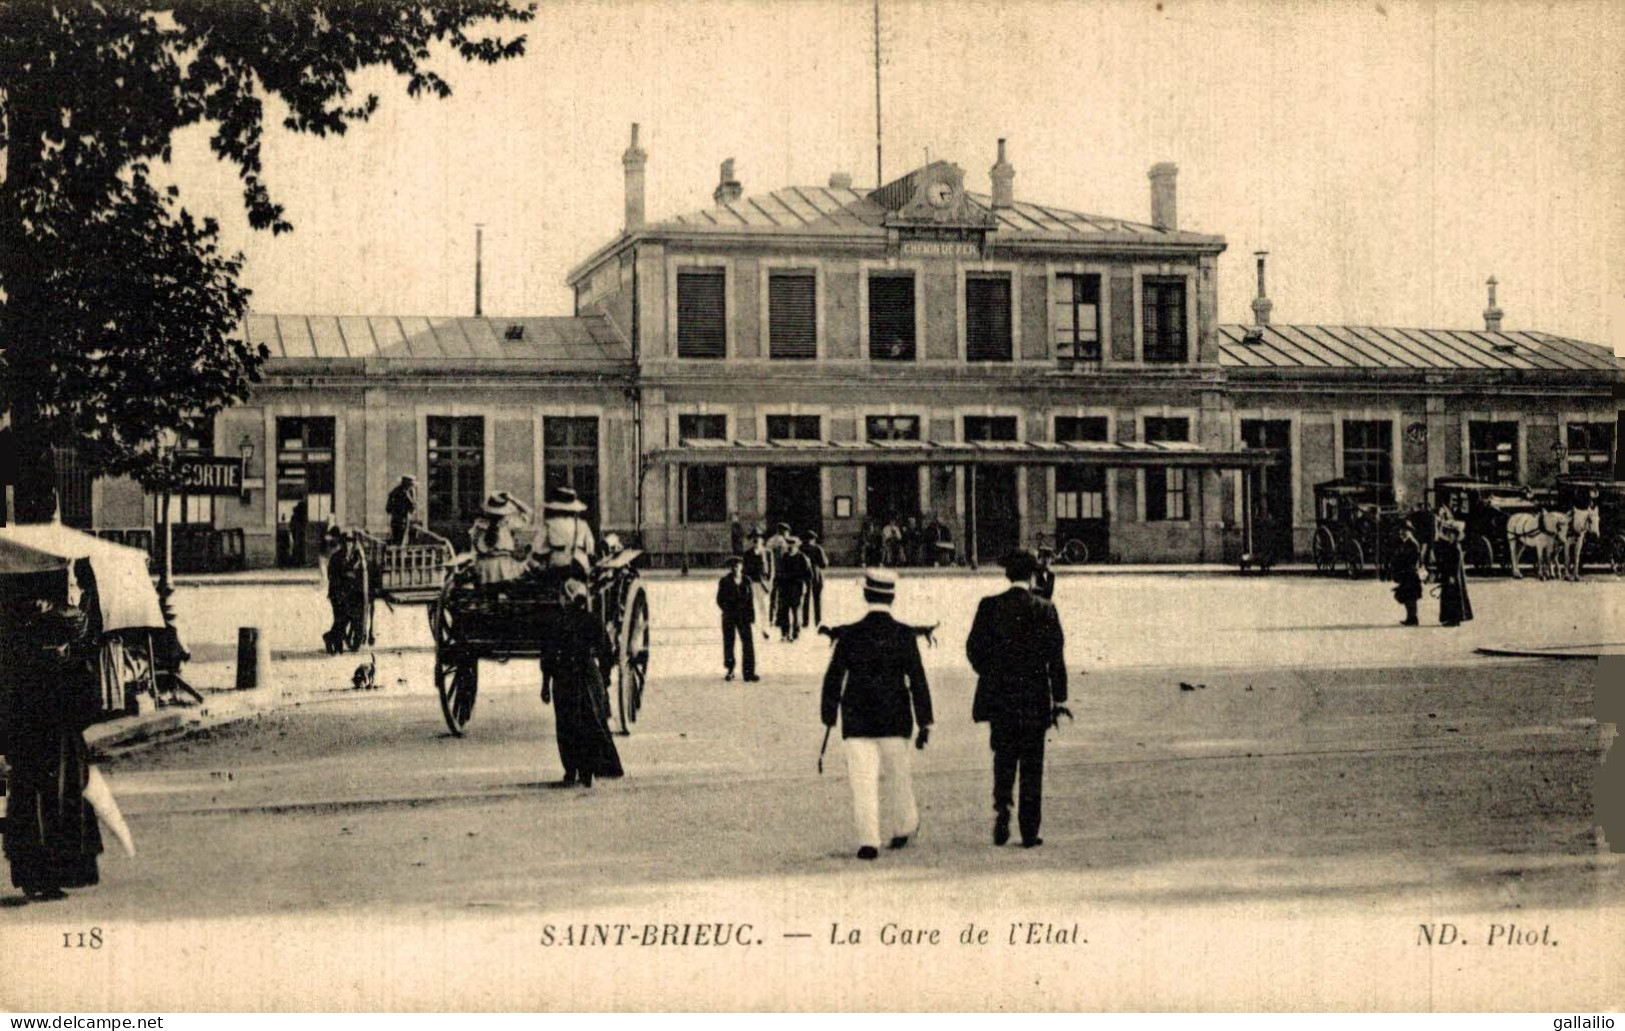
point(1016, 647)
point(812, 601)
point(734, 599)
point(759, 569)
point(876, 685)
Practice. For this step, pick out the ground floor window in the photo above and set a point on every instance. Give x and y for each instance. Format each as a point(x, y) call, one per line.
point(705, 487)
point(794, 493)
point(1493, 451)
point(456, 464)
point(305, 485)
point(892, 492)
point(1590, 448)
point(570, 458)
point(1166, 494)
point(1080, 490)
point(1368, 451)
point(73, 488)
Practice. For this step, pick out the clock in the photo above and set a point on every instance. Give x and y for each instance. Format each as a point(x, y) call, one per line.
point(938, 194)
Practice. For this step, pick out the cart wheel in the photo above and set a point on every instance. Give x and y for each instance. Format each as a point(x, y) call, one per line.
point(632, 669)
point(458, 683)
point(1354, 555)
point(1325, 551)
point(1616, 555)
point(1075, 552)
point(1482, 555)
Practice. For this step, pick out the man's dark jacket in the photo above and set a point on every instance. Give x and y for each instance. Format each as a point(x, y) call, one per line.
point(735, 601)
point(875, 679)
point(1016, 647)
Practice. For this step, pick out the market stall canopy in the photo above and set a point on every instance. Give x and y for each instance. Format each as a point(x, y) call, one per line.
point(123, 587)
point(980, 453)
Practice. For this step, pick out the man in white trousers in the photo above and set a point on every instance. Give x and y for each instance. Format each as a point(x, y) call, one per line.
point(876, 684)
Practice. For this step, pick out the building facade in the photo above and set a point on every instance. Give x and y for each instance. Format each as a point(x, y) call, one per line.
point(856, 330)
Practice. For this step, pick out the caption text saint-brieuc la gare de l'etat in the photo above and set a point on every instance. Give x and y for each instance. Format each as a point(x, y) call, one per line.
point(888, 934)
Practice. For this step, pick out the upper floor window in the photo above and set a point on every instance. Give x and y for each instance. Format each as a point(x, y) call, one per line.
point(793, 427)
point(988, 336)
point(1162, 318)
point(990, 427)
point(1493, 448)
point(891, 318)
point(1077, 317)
point(1368, 451)
point(702, 314)
point(792, 315)
point(1590, 447)
point(892, 427)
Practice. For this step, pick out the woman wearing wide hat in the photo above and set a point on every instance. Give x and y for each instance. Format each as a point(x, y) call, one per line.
point(492, 534)
point(566, 541)
point(576, 660)
point(1455, 607)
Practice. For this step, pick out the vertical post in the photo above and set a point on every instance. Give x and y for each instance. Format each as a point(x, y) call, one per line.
point(879, 178)
point(1247, 548)
point(682, 511)
point(479, 261)
point(971, 524)
point(166, 567)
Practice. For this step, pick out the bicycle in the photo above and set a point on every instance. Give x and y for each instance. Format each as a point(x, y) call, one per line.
point(1071, 552)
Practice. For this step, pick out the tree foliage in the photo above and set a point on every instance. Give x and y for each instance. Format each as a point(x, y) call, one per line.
point(117, 308)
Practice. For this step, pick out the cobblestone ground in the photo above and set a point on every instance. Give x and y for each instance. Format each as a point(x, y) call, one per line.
point(1276, 831)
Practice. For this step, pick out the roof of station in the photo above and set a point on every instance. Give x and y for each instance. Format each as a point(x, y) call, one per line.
point(561, 340)
point(1315, 348)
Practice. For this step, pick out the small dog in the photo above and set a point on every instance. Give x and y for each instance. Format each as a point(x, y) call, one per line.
point(366, 674)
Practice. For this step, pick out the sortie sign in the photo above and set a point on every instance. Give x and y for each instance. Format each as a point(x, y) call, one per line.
point(207, 474)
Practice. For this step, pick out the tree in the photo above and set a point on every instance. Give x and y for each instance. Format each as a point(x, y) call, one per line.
point(117, 308)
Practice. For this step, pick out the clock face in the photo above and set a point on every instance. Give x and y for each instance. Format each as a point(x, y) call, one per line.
point(939, 194)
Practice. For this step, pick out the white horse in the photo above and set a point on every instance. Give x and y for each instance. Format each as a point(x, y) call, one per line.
point(1583, 522)
point(1545, 531)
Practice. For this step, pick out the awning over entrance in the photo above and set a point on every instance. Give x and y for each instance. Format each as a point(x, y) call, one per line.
point(930, 452)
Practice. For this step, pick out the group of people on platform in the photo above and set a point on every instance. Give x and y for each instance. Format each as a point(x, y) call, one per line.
point(777, 582)
point(890, 543)
point(876, 688)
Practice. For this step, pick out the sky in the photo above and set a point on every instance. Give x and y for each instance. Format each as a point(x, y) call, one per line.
point(1390, 156)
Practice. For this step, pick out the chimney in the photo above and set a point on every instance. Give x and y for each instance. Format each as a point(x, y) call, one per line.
point(633, 160)
point(1492, 314)
point(1261, 303)
point(1004, 181)
point(728, 190)
point(840, 180)
point(1164, 210)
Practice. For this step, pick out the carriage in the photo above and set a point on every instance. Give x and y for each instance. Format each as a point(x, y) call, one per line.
point(136, 653)
point(399, 574)
point(510, 620)
point(1484, 508)
point(1356, 526)
point(1605, 546)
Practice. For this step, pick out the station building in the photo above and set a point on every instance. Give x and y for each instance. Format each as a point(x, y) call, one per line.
point(832, 357)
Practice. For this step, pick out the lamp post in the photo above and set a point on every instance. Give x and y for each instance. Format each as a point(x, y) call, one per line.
point(167, 440)
point(246, 449)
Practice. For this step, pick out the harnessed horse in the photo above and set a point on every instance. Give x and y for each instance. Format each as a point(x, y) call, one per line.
point(1546, 531)
point(1583, 522)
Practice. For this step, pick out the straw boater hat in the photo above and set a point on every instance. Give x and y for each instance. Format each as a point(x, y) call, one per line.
point(880, 581)
point(563, 499)
point(500, 504)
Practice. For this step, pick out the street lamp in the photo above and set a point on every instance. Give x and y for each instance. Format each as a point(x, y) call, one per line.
point(167, 439)
point(246, 449)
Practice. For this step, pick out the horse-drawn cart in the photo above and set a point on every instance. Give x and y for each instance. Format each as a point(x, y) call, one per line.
point(510, 620)
point(1604, 543)
point(399, 574)
point(1486, 510)
point(1356, 526)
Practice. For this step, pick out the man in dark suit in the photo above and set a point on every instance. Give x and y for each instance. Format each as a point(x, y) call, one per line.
point(877, 686)
point(1044, 578)
point(1016, 647)
point(812, 600)
point(738, 608)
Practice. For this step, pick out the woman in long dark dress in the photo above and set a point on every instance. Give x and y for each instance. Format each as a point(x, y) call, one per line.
point(1455, 607)
point(52, 839)
point(578, 656)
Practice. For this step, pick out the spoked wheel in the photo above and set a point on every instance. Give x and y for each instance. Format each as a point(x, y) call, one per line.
point(632, 669)
point(1354, 556)
point(457, 679)
point(1616, 555)
point(1482, 555)
point(1075, 552)
point(1325, 551)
